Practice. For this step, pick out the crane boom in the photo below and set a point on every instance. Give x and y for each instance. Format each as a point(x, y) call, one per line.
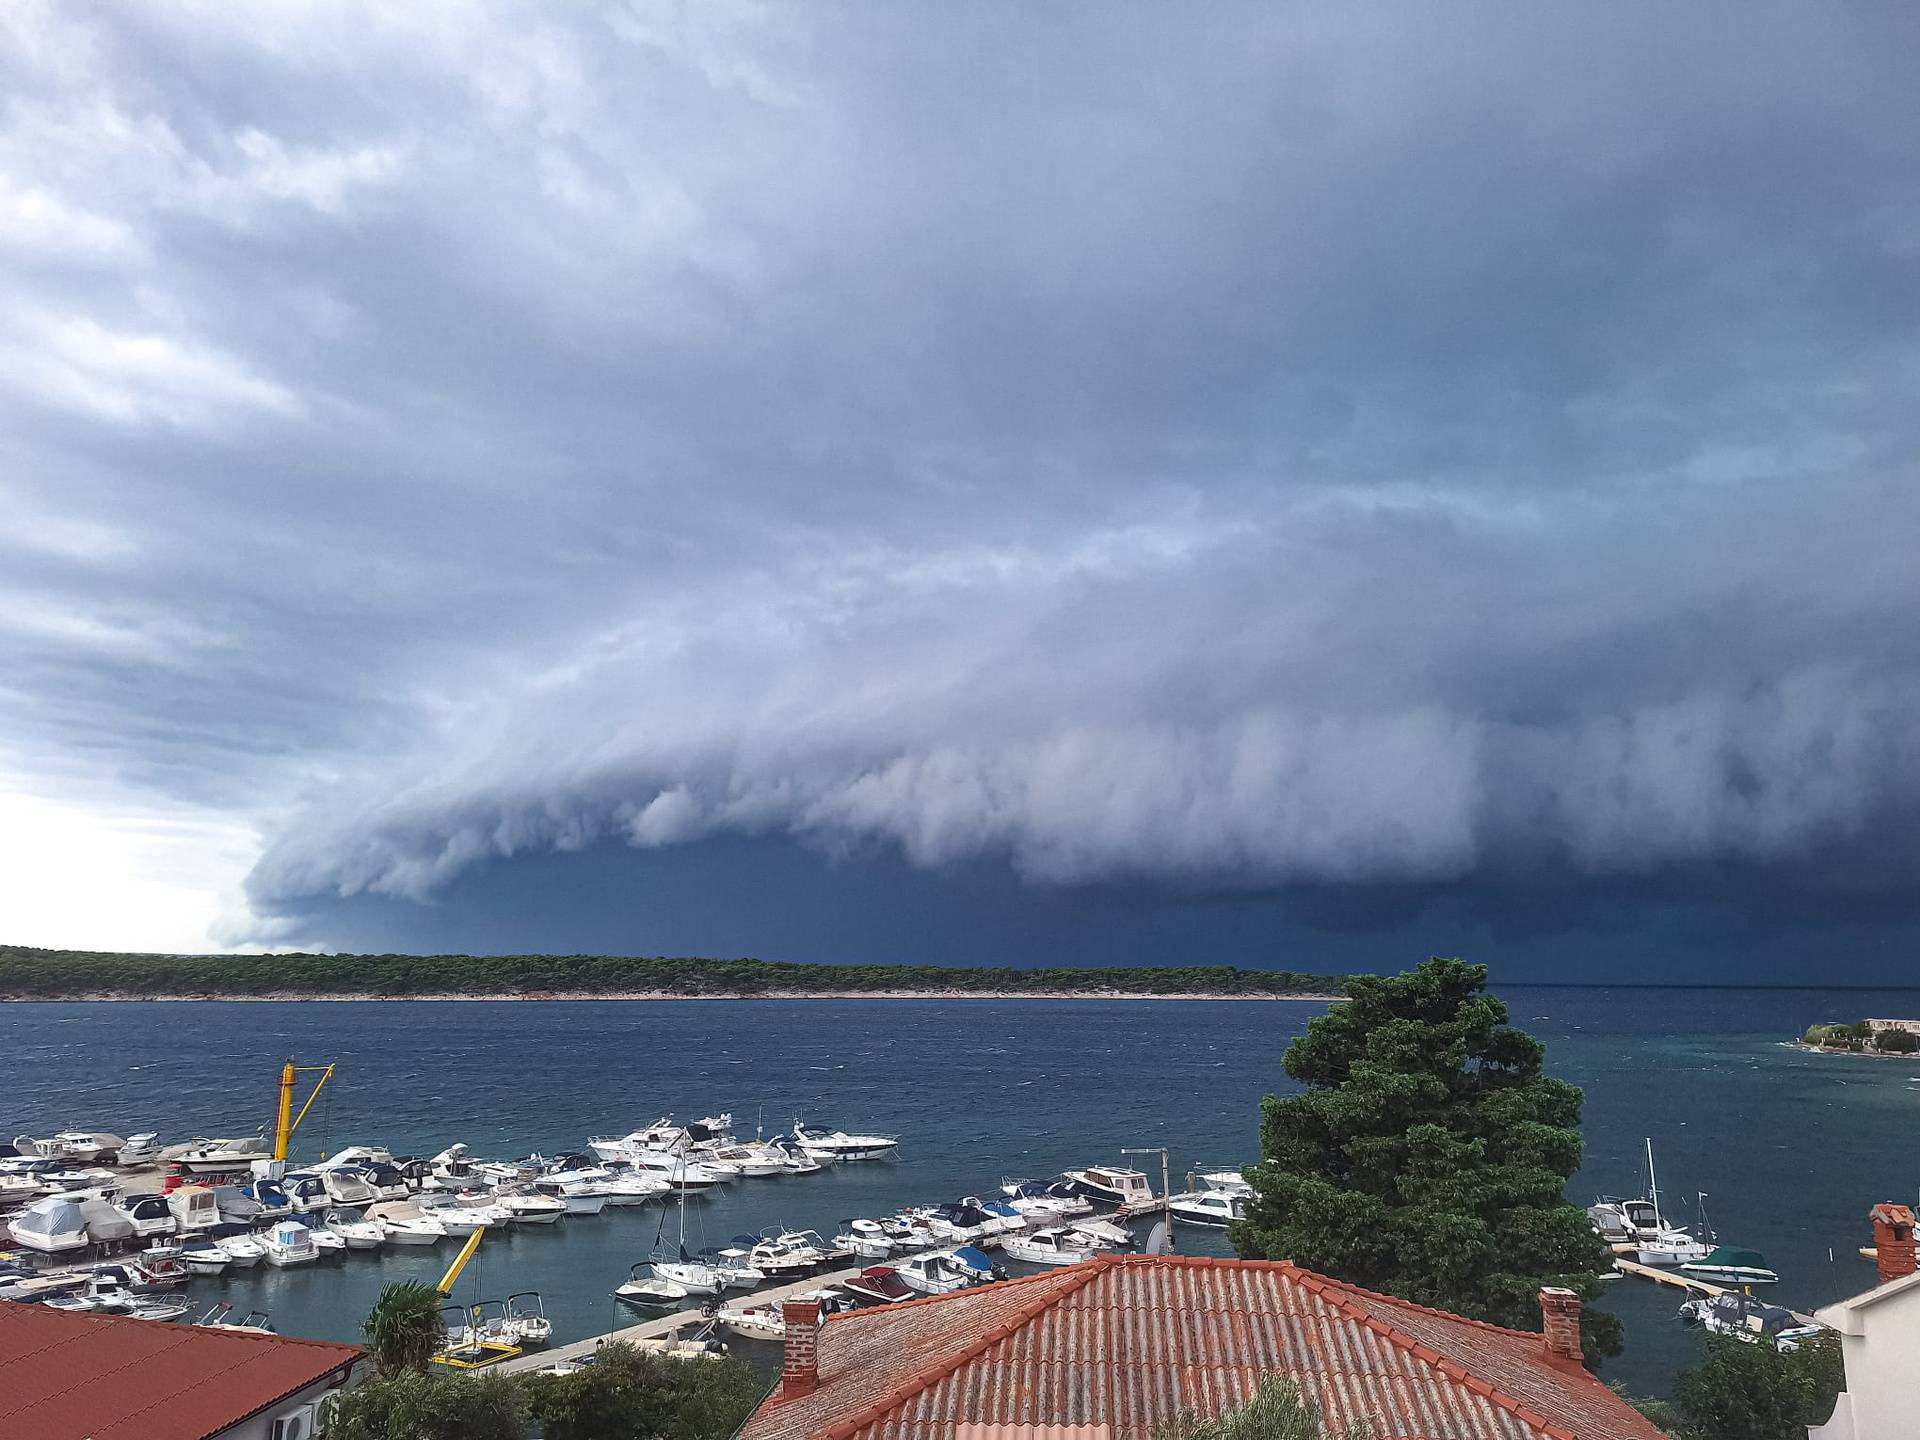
point(445, 1287)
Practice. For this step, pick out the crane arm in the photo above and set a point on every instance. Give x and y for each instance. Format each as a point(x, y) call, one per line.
point(445, 1287)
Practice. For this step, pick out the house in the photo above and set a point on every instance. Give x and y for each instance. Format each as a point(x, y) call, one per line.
point(1880, 1341)
point(73, 1376)
point(1111, 1348)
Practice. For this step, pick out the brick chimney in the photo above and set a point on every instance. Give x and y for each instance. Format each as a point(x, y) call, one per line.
point(800, 1372)
point(1560, 1309)
point(1893, 1241)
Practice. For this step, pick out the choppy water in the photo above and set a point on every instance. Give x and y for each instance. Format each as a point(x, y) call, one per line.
point(1793, 1148)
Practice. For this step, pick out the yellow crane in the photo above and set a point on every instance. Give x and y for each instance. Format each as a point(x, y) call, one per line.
point(285, 1121)
point(473, 1351)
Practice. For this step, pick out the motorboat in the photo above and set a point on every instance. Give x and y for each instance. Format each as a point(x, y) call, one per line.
point(405, 1223)
point(462, 1215)
point(1671, 1247)
point(837, 1145)
point(51, 1225)
point(211, 1155)
point(149, 1215)
point(1609, 1218)
point(767, 1321)
point(701, 1343)
point(274, 1202)
point(677, 1171)
point(20, 1185)
point(111, 1291)
point(866, 1239)
point(524, 1320)
point(358, 1232)
point(1111, 1185)
point(106, 1223)
point(450, 1169)
point(1002, 1218)
point(99, 1182)
point(977, 1263)
point(1103, 1234)
point(578, 1197)
point(289, 1243)
point(141, 1149)
point(1056, 1245)
point(195, 1207)
point(935, 1274)
point(384, 1179)
point(243, 1249)
point(202, 1256)
point(797, 1160)
point(160, 1266)
point(325, 1241)
point(1207, 1207)
point(650, 1292)
point(960, 1221)
point(530, 1208)
point(235, 1205)
point(361, 1155)
point(307, 1194)
point(222, 1317)
point(879, 1284)
point(734, 1265)
point(347, 1185)
point(630, 1187)
point(81, 1147)
point(909, 1232)
point(1224, 1179)
point(755, 1159)
point(1744, 1318)
point(778, 1255)
point(1733, 1265)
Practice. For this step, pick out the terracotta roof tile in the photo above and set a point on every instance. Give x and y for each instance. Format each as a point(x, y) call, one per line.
point(68, 1376)
point(1131, 1342)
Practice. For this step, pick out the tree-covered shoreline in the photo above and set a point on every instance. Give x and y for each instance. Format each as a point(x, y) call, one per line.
point(32, 974)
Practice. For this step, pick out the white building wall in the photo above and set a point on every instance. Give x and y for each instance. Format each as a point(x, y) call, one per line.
point(260, 1427)
point(1882, 1399)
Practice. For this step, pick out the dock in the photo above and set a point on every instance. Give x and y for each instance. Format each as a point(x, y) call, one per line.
point(1686, 1282)
point(661, 1327)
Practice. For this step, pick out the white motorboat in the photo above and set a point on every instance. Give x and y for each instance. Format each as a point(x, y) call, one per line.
point(221, 1317)
point(1671, 1247)
point(19, 1185)
point(695, 1276)
point(866, 1239)
point(80, 1147)
point(355, 1230)
point(141, 1149)
point(1233, 1180)
point(1103, 1234)
point(211, 1155)
point(524, 1320)
point(403, 1222)
point(783, 1254)
point(450, 1169)
point(307, 1193)
point(767, 1321)
point(650, 1292)
point(289, 1243)
point(149, 1215)
point(204, 1257)
point(1046, 1199)
point(274, 1202)
point(1218, 1208)
point(361, 1155)
point(325, 1240)
point(243, 1251)
point(734, 1265)
point(1056, 1245)
point(194, 1207)
point(823, 1144)
point(632, 1188)
point(347, 1185)
point(677, 1171)
point(909, 1232)
point(50, 1226)
point(755, 1159)
point(578, 1197)
point(462, 1215)
point(530, 1208)
point(1111, 1185)
point(1731, 1264)
point(935, 1274)
point(1744, 1318)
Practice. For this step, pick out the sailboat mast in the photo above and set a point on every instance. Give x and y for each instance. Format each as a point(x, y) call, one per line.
point(1653, 1186)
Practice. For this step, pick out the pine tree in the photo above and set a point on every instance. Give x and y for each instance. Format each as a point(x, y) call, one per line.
point(1428, 1156)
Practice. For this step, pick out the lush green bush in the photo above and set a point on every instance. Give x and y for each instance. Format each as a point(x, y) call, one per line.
point(1428, 1156)
point(412, 1405)
point(1737, 1391)
point(53, 974)
point(1896, 1042)
point(628, 1395)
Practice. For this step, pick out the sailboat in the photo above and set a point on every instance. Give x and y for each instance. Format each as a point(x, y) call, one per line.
point(694, 1276)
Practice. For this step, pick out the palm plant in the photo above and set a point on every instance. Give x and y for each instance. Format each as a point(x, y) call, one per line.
point(404, 1330)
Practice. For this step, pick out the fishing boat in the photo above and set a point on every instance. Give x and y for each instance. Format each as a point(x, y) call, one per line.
point(1057, 1245)
point(837, 1145)
point(1111, 1185)
point(879, 1284)
point(649, 1291)
point(289, 1243)
point(1744, 1318)
point(1217, 1208)
point(1733, 1265)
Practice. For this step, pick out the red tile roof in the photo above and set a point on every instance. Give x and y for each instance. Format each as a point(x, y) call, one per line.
point(102, 1377)
point(1133, 1341)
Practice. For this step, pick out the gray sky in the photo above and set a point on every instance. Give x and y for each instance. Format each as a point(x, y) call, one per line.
point(1311, 453)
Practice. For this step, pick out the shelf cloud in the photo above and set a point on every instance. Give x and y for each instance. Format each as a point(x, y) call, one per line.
point(1258, 450)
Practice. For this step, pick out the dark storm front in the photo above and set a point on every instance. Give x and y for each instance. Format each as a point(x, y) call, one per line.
point(979, 1091)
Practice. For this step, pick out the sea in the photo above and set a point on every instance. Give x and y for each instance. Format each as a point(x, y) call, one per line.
point(1792, 1148)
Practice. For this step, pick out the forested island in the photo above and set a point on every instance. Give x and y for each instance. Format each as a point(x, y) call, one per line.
point(1871, 1037)
point(31, 974)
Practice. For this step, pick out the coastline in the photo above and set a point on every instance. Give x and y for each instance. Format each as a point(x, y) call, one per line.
point(281, 997)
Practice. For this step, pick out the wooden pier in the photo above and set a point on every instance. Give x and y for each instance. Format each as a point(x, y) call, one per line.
point(1686, 1282)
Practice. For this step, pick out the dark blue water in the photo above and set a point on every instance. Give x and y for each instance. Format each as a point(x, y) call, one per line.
point(1793, 1148)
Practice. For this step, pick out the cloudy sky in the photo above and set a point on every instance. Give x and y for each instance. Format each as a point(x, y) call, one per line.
point(1289, 484)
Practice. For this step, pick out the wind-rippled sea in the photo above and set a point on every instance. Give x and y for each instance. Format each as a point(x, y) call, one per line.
point(1793, 1148)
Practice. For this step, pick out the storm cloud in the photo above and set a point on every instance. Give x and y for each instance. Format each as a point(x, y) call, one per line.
point(1224, 452)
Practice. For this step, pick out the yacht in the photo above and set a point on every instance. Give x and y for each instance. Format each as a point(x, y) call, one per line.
point(824, 1144)
point(1207, 1207)
point(50, 1226)
point(650, 1292)
point(290, 1243)
point(1056, 1245)
point(210, 1155)
point(405, 1223)
point(879, 1284)
point(1111, 1186)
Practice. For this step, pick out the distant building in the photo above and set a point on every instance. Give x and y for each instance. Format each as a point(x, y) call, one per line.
point(1111, 1348)
point(1880, 1340)
point(1912, 1027)
point(66, 1376)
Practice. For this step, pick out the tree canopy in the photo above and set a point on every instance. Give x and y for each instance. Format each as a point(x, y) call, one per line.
point(405, 1329)
point(1738, 1391)
point(1428, 1156)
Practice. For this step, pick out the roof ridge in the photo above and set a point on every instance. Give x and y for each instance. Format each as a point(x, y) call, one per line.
point(1081, 1275)
point(1401, 1302)
point(1343, 1297)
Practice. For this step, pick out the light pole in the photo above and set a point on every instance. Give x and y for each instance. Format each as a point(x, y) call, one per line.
point(1166, 1190)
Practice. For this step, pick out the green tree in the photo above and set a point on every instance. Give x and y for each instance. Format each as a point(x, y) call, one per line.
point(404, 1330)
point(1278, 1412)
point(1741, 1391)
point(1428, 1156)
point(1896, 1042)
point(626, 1394)
point(411, 1405)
